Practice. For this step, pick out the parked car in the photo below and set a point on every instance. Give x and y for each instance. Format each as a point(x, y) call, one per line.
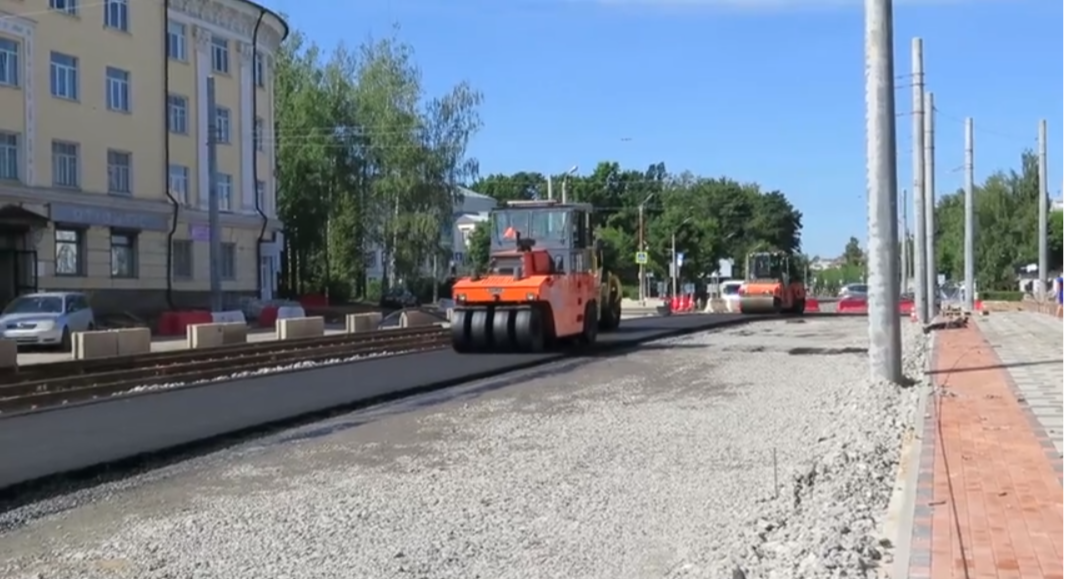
point(853, 290)
point(398, 298)
point(46, 318)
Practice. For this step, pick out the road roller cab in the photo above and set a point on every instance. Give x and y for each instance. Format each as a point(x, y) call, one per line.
point(772, 285)
point(541, 285)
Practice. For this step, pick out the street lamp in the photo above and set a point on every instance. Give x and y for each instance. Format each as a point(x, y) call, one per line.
point(641, 246)
point(674, 268)
point(566, 177)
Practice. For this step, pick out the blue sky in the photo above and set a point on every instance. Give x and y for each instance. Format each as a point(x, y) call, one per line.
point(760, 90)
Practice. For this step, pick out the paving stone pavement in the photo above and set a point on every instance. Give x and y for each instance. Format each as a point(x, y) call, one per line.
point(1029, 344)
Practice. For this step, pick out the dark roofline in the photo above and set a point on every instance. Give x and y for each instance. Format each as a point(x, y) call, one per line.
point(275, 15)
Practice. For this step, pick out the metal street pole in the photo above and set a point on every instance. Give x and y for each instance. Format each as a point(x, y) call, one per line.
point(885, 349)
point(918, 177)
point(931, 290)
point(1043, 209)
point(673, 265)
point(215, 251)
point(968, 232)
point(641, 246)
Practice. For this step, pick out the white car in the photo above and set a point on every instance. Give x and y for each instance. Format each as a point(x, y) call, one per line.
point(853, 290)
point(46, 318)
point(730, 292)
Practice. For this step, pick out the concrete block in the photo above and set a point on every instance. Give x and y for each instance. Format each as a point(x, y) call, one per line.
point(418, 319)
point(134, 341)
point(90, 345)
point(355, 323)
point(200, 336)
point(234, 333)
point(299, 328)
point(9, 353)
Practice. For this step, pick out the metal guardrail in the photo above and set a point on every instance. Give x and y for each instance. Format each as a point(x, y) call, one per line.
point(46, 385)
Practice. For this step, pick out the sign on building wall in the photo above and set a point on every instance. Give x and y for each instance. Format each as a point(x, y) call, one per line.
point(108, 217)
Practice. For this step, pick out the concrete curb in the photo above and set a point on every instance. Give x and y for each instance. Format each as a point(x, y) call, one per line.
point(899, 523)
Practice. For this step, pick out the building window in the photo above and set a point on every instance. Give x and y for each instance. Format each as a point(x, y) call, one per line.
point(64, 72)
point(220, 54)
point(65, 164)
point(222, 124)
point(117, 15)
point(9, 62)
point(179, 183)
point(228, 266)
point(178, 114)
point(182, 259)
point(118, 172)
point(260, 195)
point(70, 251)
point(257, 134)
point(118, 90)
point(9, 156)
point(259, 70)
point(225, 192)
point(176, 48)
point(65, 6)
point(123, 254)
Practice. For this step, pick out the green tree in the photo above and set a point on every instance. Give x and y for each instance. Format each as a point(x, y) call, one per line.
point(853, 253)
point(1005, 228)
point(710, 219)
point(366, 158)
point(480, 246)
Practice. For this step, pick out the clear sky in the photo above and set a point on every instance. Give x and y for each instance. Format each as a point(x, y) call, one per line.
point(759, 90)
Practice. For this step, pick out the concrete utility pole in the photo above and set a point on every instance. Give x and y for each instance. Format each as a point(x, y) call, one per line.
point(212, 198)
point(904, 250)
point(918, 177)
point(968, 257)
point(931, 291)
point(1041, 291)
point(881, 213)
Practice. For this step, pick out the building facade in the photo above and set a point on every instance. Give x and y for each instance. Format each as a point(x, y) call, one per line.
point(104, 149)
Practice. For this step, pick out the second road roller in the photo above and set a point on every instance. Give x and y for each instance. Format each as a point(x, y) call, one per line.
point(772, 285)
point(545, 285)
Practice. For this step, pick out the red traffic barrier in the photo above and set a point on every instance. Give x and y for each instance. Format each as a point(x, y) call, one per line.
point(167, 324)
point(812, 305)
point(175, 323)
point(852, 306)
point(313, 301)
point(906, 307)
point(978, 306)
point(686, 303)
point(268, 316)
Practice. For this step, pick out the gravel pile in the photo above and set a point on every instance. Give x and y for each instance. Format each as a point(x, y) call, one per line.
point(755, 452)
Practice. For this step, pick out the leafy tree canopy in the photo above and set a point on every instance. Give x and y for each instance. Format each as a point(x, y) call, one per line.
point(1006, 215)
point(709, 219)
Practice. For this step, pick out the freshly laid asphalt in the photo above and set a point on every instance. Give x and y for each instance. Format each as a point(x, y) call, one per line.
point(60, 439)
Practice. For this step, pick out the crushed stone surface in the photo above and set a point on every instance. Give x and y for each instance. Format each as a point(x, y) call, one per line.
point(760, 451)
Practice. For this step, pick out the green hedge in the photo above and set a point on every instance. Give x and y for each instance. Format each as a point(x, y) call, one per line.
point(1002, 296)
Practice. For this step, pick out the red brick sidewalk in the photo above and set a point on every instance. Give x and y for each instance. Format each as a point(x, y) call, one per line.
point(989, 497)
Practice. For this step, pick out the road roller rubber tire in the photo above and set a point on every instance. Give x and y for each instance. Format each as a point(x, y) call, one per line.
point(801, 307)
point(461, 331)
point(529, 330)
point(612, 317)
point(503, 331)
point(592, 325)
point(481, 330)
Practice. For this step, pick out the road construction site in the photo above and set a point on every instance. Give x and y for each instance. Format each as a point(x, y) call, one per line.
point(752, 447)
